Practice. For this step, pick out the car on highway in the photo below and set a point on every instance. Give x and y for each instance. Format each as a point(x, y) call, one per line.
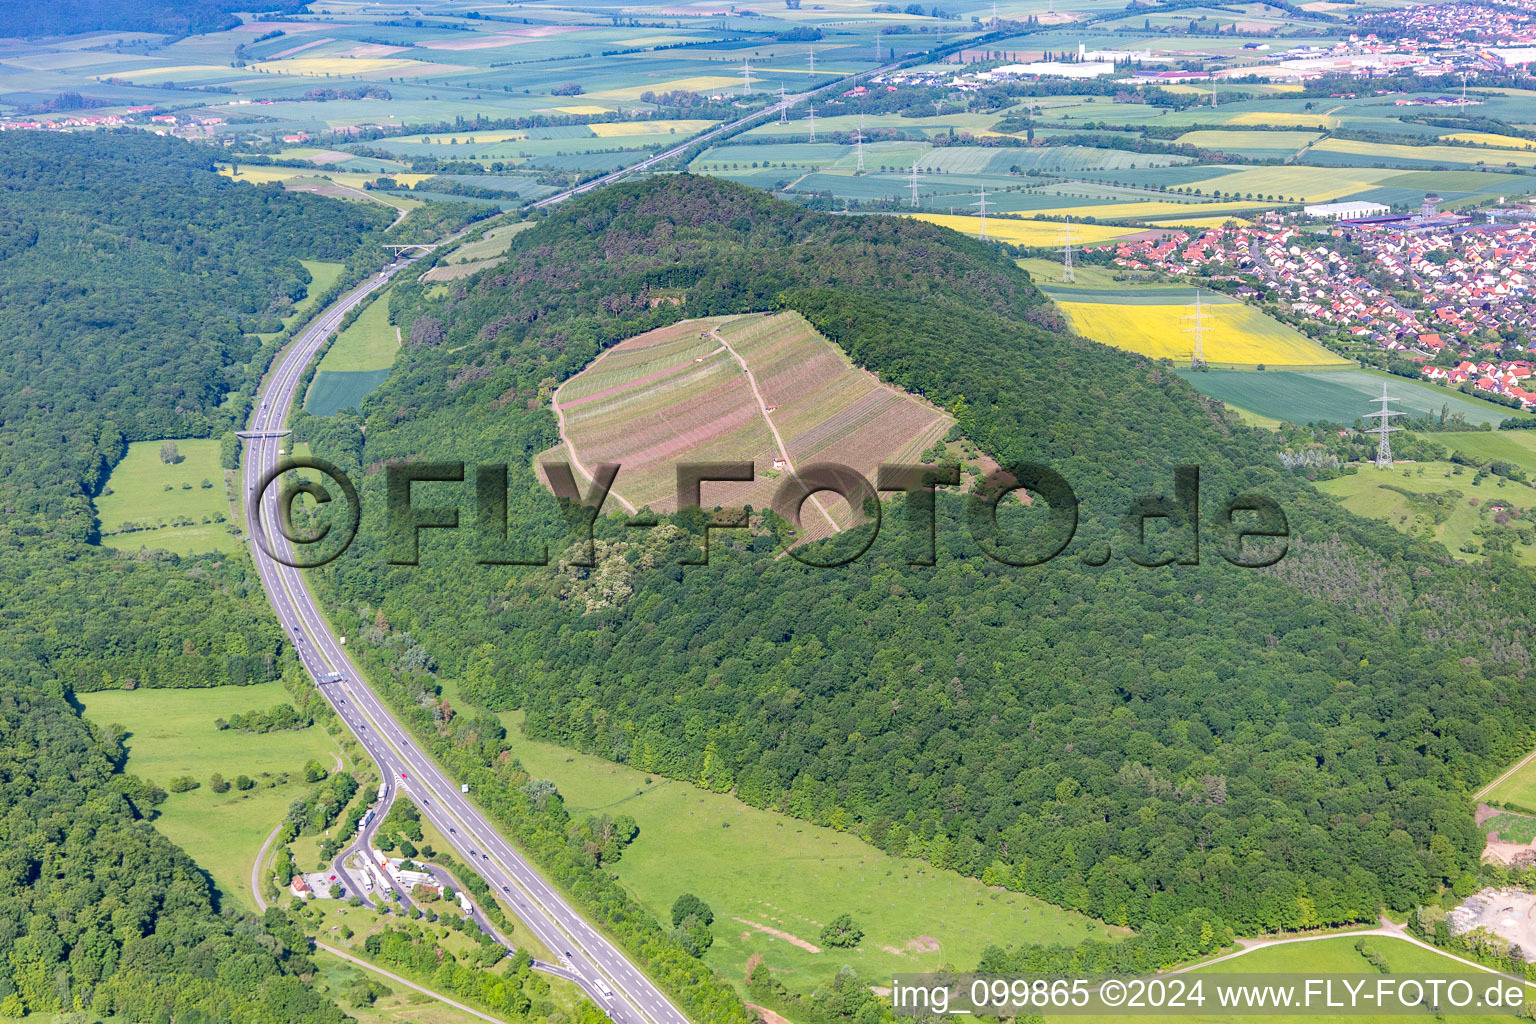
point(404, 776)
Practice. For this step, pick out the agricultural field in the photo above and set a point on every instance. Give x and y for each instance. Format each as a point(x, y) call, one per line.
point(1029, 232)
point(1262, 145)
point(1439, 501)
point(1490, 139)
point(735, 389)
point(150, 503)
point(1338, 396)
point(1347, 153)
point(1155, 322)
point(492, 245)
point(370, 343)
point(171, 733)
point(333, 391)
point(1517, 447)
point(773, 881)
point(357, 362)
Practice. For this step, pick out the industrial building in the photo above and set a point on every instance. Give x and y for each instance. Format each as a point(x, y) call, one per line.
point(1345, 211)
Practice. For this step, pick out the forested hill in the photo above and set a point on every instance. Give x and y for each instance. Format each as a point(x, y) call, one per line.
point(129, 273)
point(34, 18)
point(130, 276)
point(1266, 749)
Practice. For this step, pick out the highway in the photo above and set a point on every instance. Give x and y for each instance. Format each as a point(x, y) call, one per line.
point(724, 129)
point(587, 957)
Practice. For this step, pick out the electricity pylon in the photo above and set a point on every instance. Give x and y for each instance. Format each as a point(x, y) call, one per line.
point(982, 203)
point(783, 106)
point(1383, 429)
point(1068, 275)
point(746, 75)
point(859, 139)
point(914, 185)
point(1198, 319)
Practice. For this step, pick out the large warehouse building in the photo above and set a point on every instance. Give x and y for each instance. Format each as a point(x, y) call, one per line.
point(1345, 211)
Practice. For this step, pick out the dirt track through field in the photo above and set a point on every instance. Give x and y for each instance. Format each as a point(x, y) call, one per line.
point(762, 407)
point(791, 939)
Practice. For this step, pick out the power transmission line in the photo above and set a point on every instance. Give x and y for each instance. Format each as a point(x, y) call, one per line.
point(1068, 275)
point(1383, 429)
point(1198, 319)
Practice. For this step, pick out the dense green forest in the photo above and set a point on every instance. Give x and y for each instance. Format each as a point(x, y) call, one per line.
point(130, 274)
point(132, 278)
point(1261, 749)
point(34, 18)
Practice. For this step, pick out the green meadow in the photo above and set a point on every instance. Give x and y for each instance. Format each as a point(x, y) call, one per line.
point(370, 343)
point(1437, 501)
point(171, 733)
point(322, 275)
point(154, 504)
point(774, 881)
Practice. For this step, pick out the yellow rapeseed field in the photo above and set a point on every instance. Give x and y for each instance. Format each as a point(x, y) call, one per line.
point(1435, 154)
point(1234, 334)
point(1282, 120)
point(618, 129)
point(1026, 232)
point(1490, 139)
point(699, 83)
point(355, 179)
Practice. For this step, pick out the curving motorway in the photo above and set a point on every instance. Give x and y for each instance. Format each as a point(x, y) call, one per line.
point(586, 957)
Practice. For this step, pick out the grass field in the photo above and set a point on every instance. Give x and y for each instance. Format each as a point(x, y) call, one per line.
point(1517, 447)
point(1340, 396)
point(370, 343)
point(1028, 232)
point(171, 732)
point(335, 919)
point(1511, 828)
point(1153, 322)
point(1435, 501)
point(620, 129)
point(791, 876)
point(680, 391)
point(1296, 182)
point(353, 179)
point(1047, 274)
point(494, 244)
point(1238, 141)
point(184, 518)
point(1335, 955)
point(1282, 120)
point(1350, 152)
point(335, 976)
point(1519, 788)
point(330, 392)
